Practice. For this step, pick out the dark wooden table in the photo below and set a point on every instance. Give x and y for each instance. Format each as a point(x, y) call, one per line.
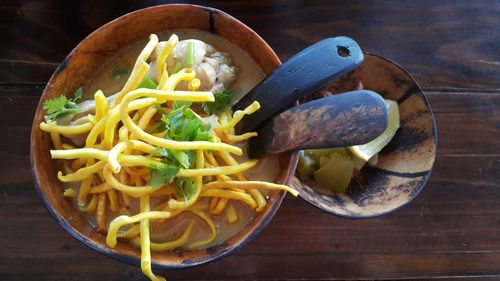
point(452, 230)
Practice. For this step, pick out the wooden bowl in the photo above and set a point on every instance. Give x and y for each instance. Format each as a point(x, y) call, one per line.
point(404, 165)
point(78, 67)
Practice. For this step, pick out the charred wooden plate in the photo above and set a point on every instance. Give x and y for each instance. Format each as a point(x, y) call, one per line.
point(404, 165)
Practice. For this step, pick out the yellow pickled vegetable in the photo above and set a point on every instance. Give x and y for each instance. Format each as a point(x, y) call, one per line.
point(367, 151)
point(316, 154)
point(358, 163)
point(306, 166)
point(336, 174)
point(323, 160)
point(333, 168)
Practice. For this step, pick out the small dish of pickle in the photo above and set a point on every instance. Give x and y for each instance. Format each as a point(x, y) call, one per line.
point(376, 178)
point(333, 168)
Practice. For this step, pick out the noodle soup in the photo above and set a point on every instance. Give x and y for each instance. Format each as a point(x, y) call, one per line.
point(112, 77)
point(151, 156)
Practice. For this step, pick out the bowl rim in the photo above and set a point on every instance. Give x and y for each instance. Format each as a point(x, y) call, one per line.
point(132, 260)
point(426, 176)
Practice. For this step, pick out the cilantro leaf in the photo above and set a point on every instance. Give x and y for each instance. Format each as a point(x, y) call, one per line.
point(160, 109)
point(191, 154)
point(163, 152)
point(186, 188)
point(162, 175)
point(177, 104)
point(174, 120)
point(185, 159)
point(78, 94)
point(156, 128)
point(189, 130)
point(183, 125)
point(221, 102)
point(181, 157)
point(61, 106)
point(204, 136)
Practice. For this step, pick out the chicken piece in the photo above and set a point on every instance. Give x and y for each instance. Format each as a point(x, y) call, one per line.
point(225, 72)
point(207, 75)
point(213, 68)
point(151, 74)
point(213, 63)
point(226, 75)
point(221, 57)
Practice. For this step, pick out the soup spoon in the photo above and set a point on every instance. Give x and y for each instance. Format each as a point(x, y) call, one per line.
point(342, 120)
point(305, 73)
point(347, 119)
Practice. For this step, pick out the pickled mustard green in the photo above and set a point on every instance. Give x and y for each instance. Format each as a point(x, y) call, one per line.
point(333, 168)
point(336, 174)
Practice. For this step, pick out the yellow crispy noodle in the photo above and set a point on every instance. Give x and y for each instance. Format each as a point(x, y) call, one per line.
point(110, 173)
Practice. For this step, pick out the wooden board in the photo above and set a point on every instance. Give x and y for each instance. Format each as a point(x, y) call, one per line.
point(450, 230)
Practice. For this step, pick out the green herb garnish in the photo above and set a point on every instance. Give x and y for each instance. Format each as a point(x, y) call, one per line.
point(61, 106)
point(162, 175)
point(156, 128)
point(177, 67)
point(160, 109)
point(119, 72)
point(186, 188)
point(190, 53)
point(221, 102)
point(181, 124)
point(176, 104)
point(181, 157)
point(147, 83)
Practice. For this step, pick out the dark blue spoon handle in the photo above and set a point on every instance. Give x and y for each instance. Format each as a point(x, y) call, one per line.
point(305, 73)
point(351, 118)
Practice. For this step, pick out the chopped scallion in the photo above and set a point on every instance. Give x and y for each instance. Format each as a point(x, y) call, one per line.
point(177, 67)
point(190, 54)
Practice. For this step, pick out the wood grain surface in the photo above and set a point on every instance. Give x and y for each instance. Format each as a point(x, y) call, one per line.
point(451, 230)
